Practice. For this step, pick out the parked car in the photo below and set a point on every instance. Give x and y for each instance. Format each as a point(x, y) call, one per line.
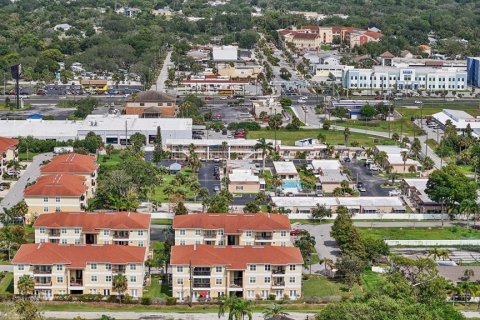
point(347, 159)
point(296, 232)
point(216, 188)
point(216, 160)
point(418, 102)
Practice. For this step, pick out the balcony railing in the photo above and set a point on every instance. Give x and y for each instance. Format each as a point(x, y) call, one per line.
point(201, 273)
point(278, 271)
point(54, 233)
point(120, 235)
point(278, 284)
point(43, 284)
point(210, 235)
point(201, 285)
point(42, 271)
point(118, 269)
point(76, 283)
point(263, 237)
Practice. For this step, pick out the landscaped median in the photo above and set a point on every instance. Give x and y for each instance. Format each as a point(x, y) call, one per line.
point(447, 233)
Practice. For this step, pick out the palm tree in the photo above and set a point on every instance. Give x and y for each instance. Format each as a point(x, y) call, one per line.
point(435, 253)
point(404, 155)
point(225, 149)
point(25, 285)
point(467, 288)
point(273, 311)
point(120, 285)
point(346, 134)
point(321, 137)
point(381, 158)
point(329, 265)
point(468, 274)
point(265, 146)
point(109, 150)
point(237, 308)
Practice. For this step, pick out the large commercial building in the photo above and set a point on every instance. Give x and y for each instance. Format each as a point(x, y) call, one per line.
point(203, 272)
point(79, 269)
point(95, 228)
point(459, 118)
point(113, 129)
point(232, 229)
point(473, 71)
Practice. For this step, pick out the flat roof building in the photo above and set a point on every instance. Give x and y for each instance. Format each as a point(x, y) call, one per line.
point(285, 169)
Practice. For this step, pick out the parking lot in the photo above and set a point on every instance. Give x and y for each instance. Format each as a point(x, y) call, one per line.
point(207, 178)
point(370, 180)
point(229, 113)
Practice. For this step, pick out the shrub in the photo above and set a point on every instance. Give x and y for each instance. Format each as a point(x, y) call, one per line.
point(158, 300)
point(6, 296)
point(171, 301)
point(62, 297)
point(146, 301)
point(272, 297)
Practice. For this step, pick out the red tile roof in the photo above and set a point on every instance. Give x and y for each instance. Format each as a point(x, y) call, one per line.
point(57, 185)
point(93, 221)
point(311, 28)
point(71, 163)
point(77, 256)
point(372, 34)
point(7, 143)
point(234, 257)
point(233, 223)
point(387, 54)
point(306, 36)
point(284, 32)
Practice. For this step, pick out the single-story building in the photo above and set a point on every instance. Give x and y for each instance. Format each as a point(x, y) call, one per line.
point(414, 190)
point(286, 170)
point(244, 181)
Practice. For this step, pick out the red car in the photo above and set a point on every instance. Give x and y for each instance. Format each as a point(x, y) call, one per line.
point(296, 232)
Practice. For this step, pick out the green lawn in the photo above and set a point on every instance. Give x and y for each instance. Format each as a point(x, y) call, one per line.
point(110, 161)
point(405, 126)
point(157, 290)
point(22, 156)
point(333, 137)
point(320, 286)
point(432, 144)
point(315, 259)
point(448, 233)
point(371, 280)
point(160, 196)
point(157, 245)
point(6, 284)
point(163, 221)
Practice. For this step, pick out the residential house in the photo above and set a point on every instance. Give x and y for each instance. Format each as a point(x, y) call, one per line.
point(8, 152)
point(151, 104)
point(232, 229)
point(414, 190)
point(286, 170)
point(55, 193)
point(244, 181)
point(396, 161)
point(80, 228)
point(303, 149)
point(74, 163)
point(330, 175)
point(83, 269)
point(203, 272)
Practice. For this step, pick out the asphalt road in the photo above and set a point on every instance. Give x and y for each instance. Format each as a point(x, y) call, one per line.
point(206, 178)
point(160, 83)
point(371, 182)
point(15, 194)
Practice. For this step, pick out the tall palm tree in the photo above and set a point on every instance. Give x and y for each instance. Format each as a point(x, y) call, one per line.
point(346, 135)
point(120, 285)
point(273, 311)
point(265, 147)
point(381, 158)
point(435, 253)
point(467, 288)
point(321, 137)
point(468, 274)
point(404, 155)
point(225, 149)
point(25, 285)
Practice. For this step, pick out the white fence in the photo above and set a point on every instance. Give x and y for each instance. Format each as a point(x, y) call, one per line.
point(378, 216)
point(429, 243)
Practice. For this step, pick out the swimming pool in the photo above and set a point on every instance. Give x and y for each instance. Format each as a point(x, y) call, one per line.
point(292, 184)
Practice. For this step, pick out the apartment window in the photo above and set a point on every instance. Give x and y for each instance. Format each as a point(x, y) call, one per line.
point(92, 291)
point(93, 266)
point(93, 278)
point(45, 199)
point(59, 267)
point(292, 267)
point(42, 230)
point(220, 243)
point(108, 266)
point(42, 240)
point(283, 244)
point(182, 232)
point(45, 209)
point(64, 230)
point(57, 209)
point(57, 199)
point(108, 278)
point(106, 242)
point(133, 279)
point(77, 241)
point(140, 232)
point(267, 267)
point(140, 243)
point(21, 267)
point(218, 269)
point(253, 267)
point(77, 230)
point(251, 293)
point(252, 280)
point(292, 280)
point(218, 281)
point(182, 242)
point(179, 281)
point(106, 232)
point(283, 233)
point(133, 267)
point(267, 279)
point(239, 188)
point(59, 279)
point(197, 241)
point(179, 269)
point(198, 232)
point(293, 293)
point(248, 243)
point(248, 233)
point(64, 241)
point(220, 232)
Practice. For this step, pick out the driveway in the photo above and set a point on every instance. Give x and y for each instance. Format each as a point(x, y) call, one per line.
point(371, 182)
point(15, 194)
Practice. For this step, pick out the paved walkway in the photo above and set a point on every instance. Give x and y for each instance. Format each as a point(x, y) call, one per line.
point(161, 315)
point(15, 194)
point(160, 84)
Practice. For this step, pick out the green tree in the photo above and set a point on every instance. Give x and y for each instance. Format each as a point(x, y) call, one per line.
point(25, 285)
point(350, 269)
point(346, 135)
point(138, 140)
point(321, 212)
point(180, 209)
point(237, 308)
point(427, 163)
point(11, 237)
point(368, 112)
point(251, 207)
point(120, 285)
point(265, 147)
point(27, 310)
point(274, 310)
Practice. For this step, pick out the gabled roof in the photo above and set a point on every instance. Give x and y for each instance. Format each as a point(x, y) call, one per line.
point(93, 221)
point(151, 96)
point(234, 257)
point(7, 144)
point(233, 223)
point(305, 36)
point(77, 256)
point(371, 34)
point(387, 54)
point(57, 185)
point(71, 163)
